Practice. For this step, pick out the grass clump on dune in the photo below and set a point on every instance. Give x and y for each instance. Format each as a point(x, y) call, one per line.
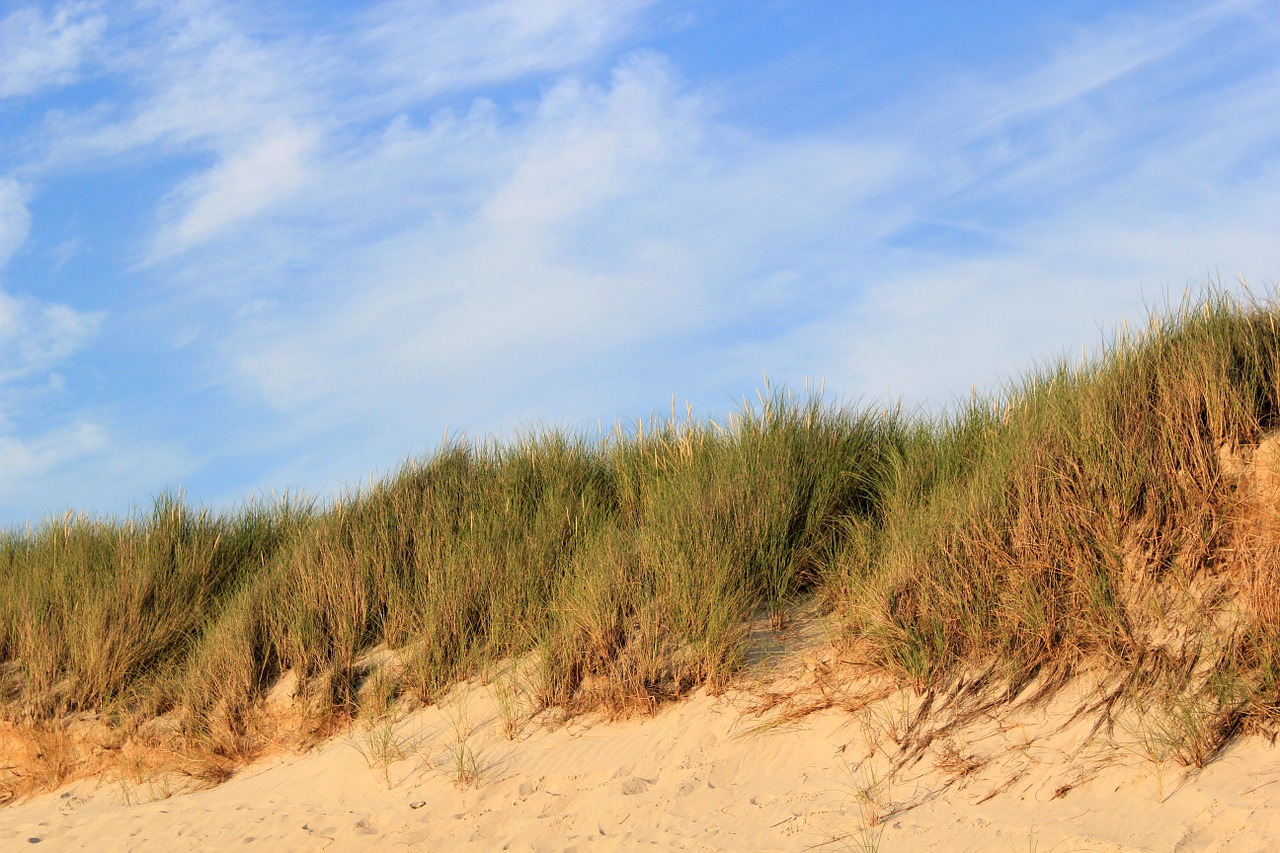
point(630, 566)
point(1123, 513)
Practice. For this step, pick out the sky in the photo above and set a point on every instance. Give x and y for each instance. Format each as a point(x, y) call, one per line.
point(249, 248)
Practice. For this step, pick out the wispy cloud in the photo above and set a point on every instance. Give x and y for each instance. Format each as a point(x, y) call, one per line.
point(15, 219)
point(1086, 60)
point(461, 285)
point(418, 50)
point(39, 51)
point(36, 336)
point(83, 466)
point(24, 460)
point(251, 181)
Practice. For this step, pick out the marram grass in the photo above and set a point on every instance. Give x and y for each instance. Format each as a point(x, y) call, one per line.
point(1122, 513)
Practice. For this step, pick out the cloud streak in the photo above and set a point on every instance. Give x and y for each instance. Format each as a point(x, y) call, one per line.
point(15, 219)
point(419, 51)
point(251, 181)
point(39, 51)
point(36, 336)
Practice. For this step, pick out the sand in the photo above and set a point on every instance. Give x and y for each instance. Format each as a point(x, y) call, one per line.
point(712, 772)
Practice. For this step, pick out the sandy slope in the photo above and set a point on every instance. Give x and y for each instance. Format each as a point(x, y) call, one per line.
point(710, 773)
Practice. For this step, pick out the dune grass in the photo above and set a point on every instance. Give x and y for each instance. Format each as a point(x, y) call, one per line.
point(1123, 512)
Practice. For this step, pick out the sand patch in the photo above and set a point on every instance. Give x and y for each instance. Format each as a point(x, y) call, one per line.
point(812, 755)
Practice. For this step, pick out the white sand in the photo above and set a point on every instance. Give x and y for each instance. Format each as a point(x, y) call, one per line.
point(704, 774)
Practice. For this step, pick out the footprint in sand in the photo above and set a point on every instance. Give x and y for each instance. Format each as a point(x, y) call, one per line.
point(635, 785)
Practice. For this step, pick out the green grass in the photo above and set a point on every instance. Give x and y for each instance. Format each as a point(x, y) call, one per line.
point(1096, 514)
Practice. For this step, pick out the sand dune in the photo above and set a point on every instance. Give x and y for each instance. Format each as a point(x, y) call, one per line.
point(794, 761)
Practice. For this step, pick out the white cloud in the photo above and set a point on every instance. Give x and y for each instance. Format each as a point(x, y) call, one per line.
point(15, 219)
point(496, 277)
point(197, 84)
point(23, 461)
point(85, 465)
point(39, 51)
point(253, 179)
point(262, 107)
point(423, 50)
point(36, 336)
point(204, 82)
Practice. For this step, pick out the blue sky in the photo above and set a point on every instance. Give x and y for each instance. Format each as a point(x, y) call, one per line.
point(248, 246)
